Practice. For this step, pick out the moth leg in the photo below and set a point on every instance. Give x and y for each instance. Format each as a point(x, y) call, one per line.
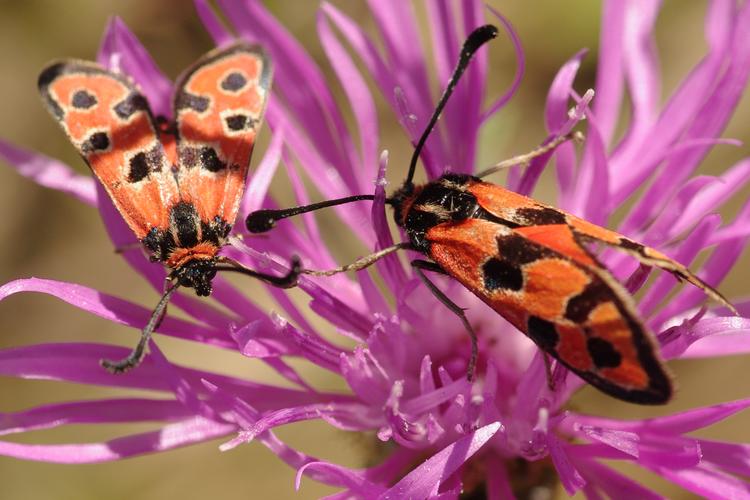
point(523, 160)
point(548, 371)
point(135, 357)
point(289, 280)
point(419, 267)
point(360, 263)
point(128, 247)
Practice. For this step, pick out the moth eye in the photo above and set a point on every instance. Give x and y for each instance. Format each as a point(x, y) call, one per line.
point(83, 99)
point(234, 82)
point(98, 141)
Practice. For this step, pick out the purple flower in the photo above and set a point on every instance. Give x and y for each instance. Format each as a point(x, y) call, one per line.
point(407, 373)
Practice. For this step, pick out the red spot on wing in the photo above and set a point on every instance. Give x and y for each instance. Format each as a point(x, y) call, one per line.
point(560, 238)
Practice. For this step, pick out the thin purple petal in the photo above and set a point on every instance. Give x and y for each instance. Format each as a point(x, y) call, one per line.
point(121, 51)
point(49, 173)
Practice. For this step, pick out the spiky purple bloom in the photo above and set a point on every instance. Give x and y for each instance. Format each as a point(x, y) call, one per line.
point(407, 374)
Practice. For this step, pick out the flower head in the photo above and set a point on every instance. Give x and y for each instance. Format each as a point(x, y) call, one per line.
point(406, 374)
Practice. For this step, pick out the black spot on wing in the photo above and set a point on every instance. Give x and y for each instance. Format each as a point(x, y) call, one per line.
point(603, 353)
point(542, 332)
point(138, 167)
point(131, 104)
point(210, 160)
point(580, 306)
point(83, 99)
point(236, 122)
point(98, 141)
point(186, 100)
point(234, 82)
point(517, 250)
point(540, 216)
point(501, 274)
point(143, 163)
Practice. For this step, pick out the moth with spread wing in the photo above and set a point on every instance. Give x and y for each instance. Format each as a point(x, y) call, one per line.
point(177, 185)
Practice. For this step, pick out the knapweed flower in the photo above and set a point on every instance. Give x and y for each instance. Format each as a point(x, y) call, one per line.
point(507, 431)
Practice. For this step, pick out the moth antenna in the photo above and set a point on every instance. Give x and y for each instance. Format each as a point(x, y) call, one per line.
point(135, 357)
point(289, 280)
point(261, 221)
point(476, 39)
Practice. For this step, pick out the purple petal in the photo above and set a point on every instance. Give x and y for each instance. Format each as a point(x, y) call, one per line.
point(426, 478)
point(592, 182)
point(614, 484)
point(313, 347)
point(390, 266)
point(709, 120)
point(49, 173)
point(706, 482)
point(326, 178)
point(610, 77)
point(713, 271)
point(185, 391)
point(677, 424)
point(731, 457)
point(80, 363)
point(337, 475)
point(105, 411)
point(345, 416)
point(360, 98)
point(121, 51)
point(520, 69)
point(114, 309)
point(712, 197)
point(687, 251)
point(257, 188)
point(556, 117)
point(569, 476)
point(710, 337)
point(367, 379)
point(641, 69)
point(187, 432)
point(312, 104)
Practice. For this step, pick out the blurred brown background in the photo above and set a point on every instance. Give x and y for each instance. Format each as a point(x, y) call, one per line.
point(50, 235)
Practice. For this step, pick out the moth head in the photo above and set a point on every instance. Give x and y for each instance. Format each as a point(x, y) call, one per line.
point(401, 201)
point(198, 274)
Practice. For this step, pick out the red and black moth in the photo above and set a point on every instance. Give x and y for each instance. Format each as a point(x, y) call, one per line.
point(530, 262)
point(177, 185)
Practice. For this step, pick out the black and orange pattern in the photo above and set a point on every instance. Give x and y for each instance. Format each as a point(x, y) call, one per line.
point(177, 185)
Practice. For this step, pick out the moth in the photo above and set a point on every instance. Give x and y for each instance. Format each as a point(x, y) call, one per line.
point(177, 185)
point(530, 262)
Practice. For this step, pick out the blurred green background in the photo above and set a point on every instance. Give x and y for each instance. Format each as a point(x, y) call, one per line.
point(48, 234)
